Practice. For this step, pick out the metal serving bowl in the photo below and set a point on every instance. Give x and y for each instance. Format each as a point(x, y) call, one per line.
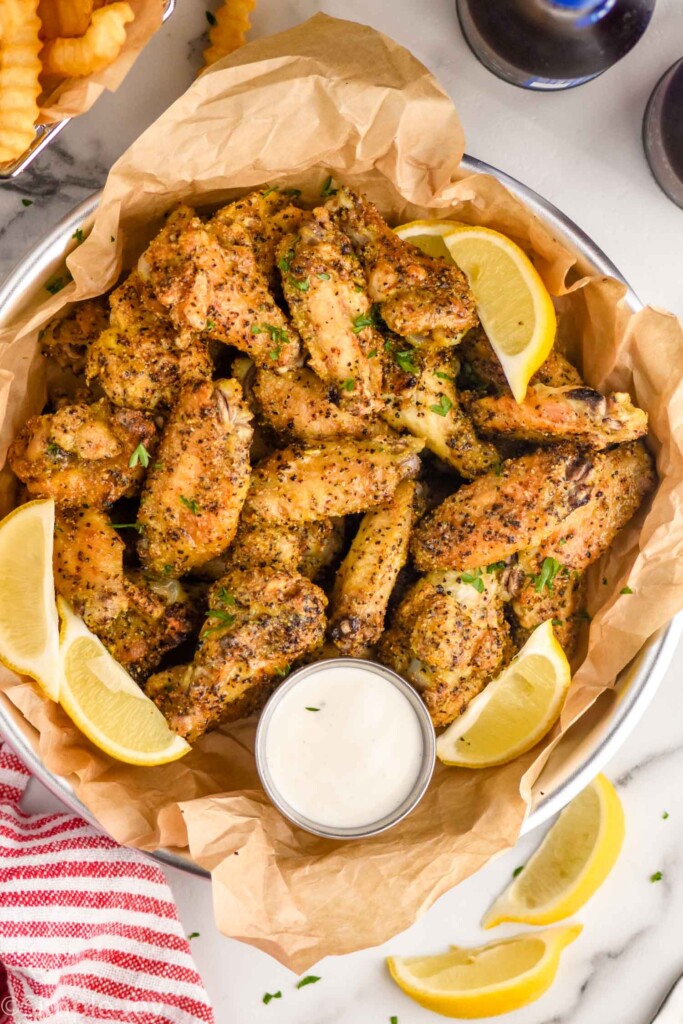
point(590, 747)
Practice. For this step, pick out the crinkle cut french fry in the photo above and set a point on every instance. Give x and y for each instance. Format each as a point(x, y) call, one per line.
point(97, 49)
point(229, 31)
point(19, 75)
point(64, 17)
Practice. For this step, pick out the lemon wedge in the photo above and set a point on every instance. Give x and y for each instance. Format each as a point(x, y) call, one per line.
point(513, 304)
point(515, 710)
point(487, 980)
point(29, 628)
point(571, 863)
point(106, 704)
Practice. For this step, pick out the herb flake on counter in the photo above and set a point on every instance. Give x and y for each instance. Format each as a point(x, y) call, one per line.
point(625, 590)
point(140, 456)
point(310, 979)
point(311, 709)
point(191, 504)
point(657, 877)
point(546, 576)
point(393, 1020)
point(665, 815)
point(211, 18)
point(518, 871)
point(27, 202)
point(444, 406)
point(405, 361)
point(327, 189)
point(193, 935)
point(271, 995)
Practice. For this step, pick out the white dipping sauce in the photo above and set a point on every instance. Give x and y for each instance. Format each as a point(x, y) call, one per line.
point(353, 760)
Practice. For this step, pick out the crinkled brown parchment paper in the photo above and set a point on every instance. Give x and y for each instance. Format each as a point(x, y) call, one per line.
point(76, 95)
point(336, 97)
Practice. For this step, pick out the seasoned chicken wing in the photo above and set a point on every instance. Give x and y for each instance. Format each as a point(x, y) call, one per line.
point(307, 548)
point(420, 397)
point(259, 220)
point(498, 514)
point(83, 454)
point(141, 360)
point(138, 617)
point(335, 478)
point(481, 366)
point(421, 297)
point(449, 639)
point(195, 491)
point(325, 289)
point(570, 413)
point(299, 404)
point(562, 599)
point(66, 337)
point(259, 622)
point(220, 290)
point(367, 575)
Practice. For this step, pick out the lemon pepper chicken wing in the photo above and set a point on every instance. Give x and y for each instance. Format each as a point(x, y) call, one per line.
point(307, 548)
point(498, 514)
point(66, 338)
point(421, 397)
point(579, 414)
point(259, 622)
point(335, 478)
point(194, 493)
point(81, 454)
point(259, 220)
point(420, 296)
point(449, 639)
point(325, 289)
point(367, 575)
point(141, 360)
point(136, 616)
point(220, 290)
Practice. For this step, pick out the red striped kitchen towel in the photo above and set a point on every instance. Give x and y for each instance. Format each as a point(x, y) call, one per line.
point(88, 929)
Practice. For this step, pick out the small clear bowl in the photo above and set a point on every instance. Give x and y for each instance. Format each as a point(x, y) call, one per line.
point(412, 798)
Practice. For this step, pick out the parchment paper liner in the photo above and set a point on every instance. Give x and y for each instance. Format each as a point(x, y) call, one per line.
point(336, 97)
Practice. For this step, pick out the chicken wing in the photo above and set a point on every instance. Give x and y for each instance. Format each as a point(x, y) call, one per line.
point(563, 601)
point(325, 289)
point(218, 290)
point(66, 338)
point(420, 397)
point(259, 622)
point(448, 638)
point(194, 494)
point(570, 413)
point(335, 478)
point(480, 366)
point(299, 404)
point(367, 575)
point(421, 297)
point(83, 454)
point(138, 617)
point(307, 548)
point(141, 360)
point(259, 220)
point(499, 514)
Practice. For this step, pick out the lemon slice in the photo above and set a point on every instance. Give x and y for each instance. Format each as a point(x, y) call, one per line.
point(487, 980)
point(571, 863)
point(107, 705)
point(513, 304)
point(29, 628)
point(515, 710)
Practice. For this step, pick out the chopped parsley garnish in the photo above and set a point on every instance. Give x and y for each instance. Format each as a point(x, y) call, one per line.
point(193, 935)
point(373, 354)
point(546, 576)
point(327, 189)
point(78, 235)
point(665, 815)
point(269, 191)
point(518, 871)
point(140, 455)
point(275, 333)
point(657, 877)
point(393, 1020)
point(224, 596)
point(209, 325)
point(211, 18)
point(271, 995)
point(444, 376)
point(388, 345)
point(190, 503)
point(405, 361)
point(474, 579)
point(111, 238)
point(168, 569)
point(310, 709)
point(282, 672)
point(274, 353)
point(27, 202)
point(56, 284)
point(127, 526)
point(498, 469)
point(54, 449)
point(495, 566)
point(583, 614)
point(285, 261)
point(562, 542)
point(301, 285)
point(348, 385)
point(291, 192)
point(323, 276)
point(362, 321)
point(556, 622)
point(625, 590)
point(444, 406)
point(222, 621)
point(310, 979)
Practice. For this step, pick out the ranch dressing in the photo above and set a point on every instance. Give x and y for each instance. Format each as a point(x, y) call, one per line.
point(344, 746)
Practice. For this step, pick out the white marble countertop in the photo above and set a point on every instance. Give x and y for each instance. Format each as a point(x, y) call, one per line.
point(580, 149)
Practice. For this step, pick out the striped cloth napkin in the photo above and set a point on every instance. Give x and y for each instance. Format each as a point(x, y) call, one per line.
point(88, 929)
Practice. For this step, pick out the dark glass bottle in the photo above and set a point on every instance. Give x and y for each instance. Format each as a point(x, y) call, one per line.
point(552, 44)
point(663, 132)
